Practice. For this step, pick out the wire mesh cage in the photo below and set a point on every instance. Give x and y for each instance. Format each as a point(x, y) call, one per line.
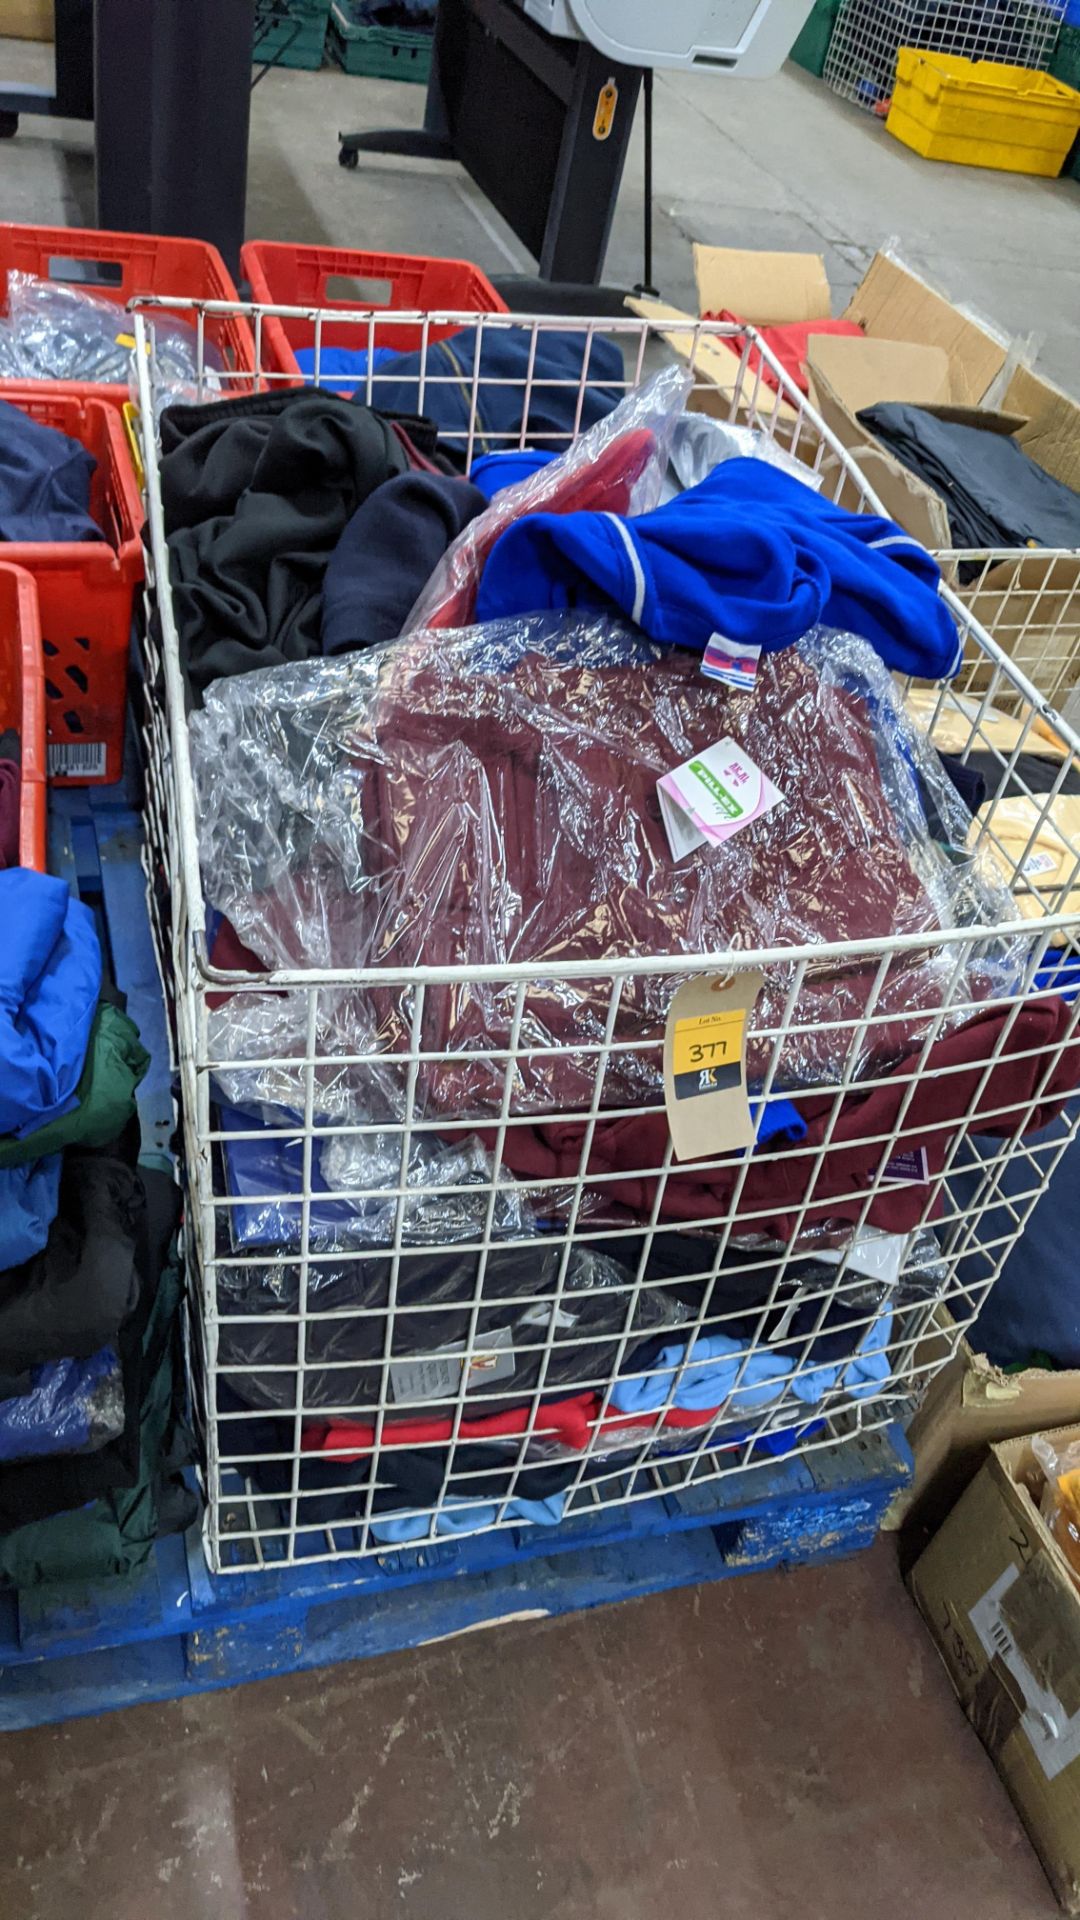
point(861, 61)
point(1029, 599)
point(422, 936)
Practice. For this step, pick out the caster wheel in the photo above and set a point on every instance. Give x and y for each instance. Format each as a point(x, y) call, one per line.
point(9, 125)
point(348, 157)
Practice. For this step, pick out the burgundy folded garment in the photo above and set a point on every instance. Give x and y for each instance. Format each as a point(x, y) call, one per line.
point(949, 1097)
point(518, 819)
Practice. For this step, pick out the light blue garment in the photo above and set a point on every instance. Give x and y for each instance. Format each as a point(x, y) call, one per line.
point(860, 1377)
point(462, 1515)
point(713, 1369)
point(29, 1197)
point(709, 1379)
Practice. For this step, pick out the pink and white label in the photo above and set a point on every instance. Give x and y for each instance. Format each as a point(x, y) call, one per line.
point(711, 796)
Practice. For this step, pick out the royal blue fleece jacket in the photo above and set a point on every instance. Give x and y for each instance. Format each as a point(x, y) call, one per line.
point(50, 979)
point(749, 555)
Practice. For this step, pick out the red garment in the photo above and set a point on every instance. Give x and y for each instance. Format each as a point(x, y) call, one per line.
point(788, 343)
point(570, 1422)
point(604, 485)
point(777, 1184)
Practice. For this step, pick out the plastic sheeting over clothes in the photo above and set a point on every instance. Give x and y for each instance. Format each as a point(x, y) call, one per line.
point(490, 797)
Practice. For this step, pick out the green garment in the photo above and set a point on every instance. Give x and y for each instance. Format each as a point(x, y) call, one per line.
point(114, 1535)
point(116, 1061)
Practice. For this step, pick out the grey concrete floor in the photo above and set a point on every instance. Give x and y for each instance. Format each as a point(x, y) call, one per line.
point(783, 1746)
point(776, 163)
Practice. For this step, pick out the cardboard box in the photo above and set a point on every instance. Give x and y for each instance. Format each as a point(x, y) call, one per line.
point(967, 1406)
point(999, 1600)
point(27, 19)
point(920, 347)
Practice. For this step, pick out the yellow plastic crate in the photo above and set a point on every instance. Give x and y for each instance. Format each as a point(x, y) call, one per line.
point(979, 114)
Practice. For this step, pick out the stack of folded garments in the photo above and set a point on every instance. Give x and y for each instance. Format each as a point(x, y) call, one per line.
point(83, 1230)
point(994, 493)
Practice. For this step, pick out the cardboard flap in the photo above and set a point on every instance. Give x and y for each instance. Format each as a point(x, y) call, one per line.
point(863, 372)
point(711, 359)
point(765, 288)
point(892, 303)
point(1051, 435)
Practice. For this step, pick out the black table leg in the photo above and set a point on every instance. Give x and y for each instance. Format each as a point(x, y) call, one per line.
point(173, 96)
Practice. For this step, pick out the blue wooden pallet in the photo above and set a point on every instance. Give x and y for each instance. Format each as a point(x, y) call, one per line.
point(175, 1629)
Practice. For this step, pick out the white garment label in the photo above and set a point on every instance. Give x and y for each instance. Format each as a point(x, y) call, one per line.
point(1053, 1732)
point(541, 1316)
point(881, 1255)
point(711, 796)
point(76, 760)
point(437, 1376)
point(733, 664)
point(1040, 863)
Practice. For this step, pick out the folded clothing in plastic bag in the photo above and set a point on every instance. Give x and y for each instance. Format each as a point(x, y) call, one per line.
point(511, 1314)
point(260, 1162)
point(71, 1406)
point(58, 332)
point(492, 798)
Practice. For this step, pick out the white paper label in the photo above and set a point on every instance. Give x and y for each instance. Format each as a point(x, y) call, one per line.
point(541, 1316)
point(1039, 863)
point(1053, 1734)
point(76, 760)
point(437, 1376)
point(880, 1255)
point(732, 663)
point(711, 796)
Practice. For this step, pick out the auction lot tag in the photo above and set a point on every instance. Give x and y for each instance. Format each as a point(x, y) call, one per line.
point(705, 1064)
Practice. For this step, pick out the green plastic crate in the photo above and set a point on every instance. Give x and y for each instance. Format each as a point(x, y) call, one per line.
point(813, 42)
point(382, 53)
point(298, 41)
point(1065, 65)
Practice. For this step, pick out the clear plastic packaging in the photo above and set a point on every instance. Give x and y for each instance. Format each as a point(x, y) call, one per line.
point(1060, 1502)
point(59, 332)
point(273, 1163)
point(73, 1406)
point(489, 797)
point(700, 444)
point(441, 1307)
point(617, 467)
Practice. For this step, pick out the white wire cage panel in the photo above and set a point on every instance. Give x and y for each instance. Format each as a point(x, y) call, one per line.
point(861, 61)
point(447, 1273)
point(1029, 599)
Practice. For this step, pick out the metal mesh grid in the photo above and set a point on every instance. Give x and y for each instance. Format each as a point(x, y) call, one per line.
point(861, 60)
point(1030, 601)
point(491, 1449)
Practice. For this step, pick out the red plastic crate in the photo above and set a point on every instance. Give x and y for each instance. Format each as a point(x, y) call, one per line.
point(85, 591)
point(22, 704)
point(121, 265)
point(290, 276)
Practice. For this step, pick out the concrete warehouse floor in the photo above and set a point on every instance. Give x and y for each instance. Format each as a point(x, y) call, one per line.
point(780, 1746)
